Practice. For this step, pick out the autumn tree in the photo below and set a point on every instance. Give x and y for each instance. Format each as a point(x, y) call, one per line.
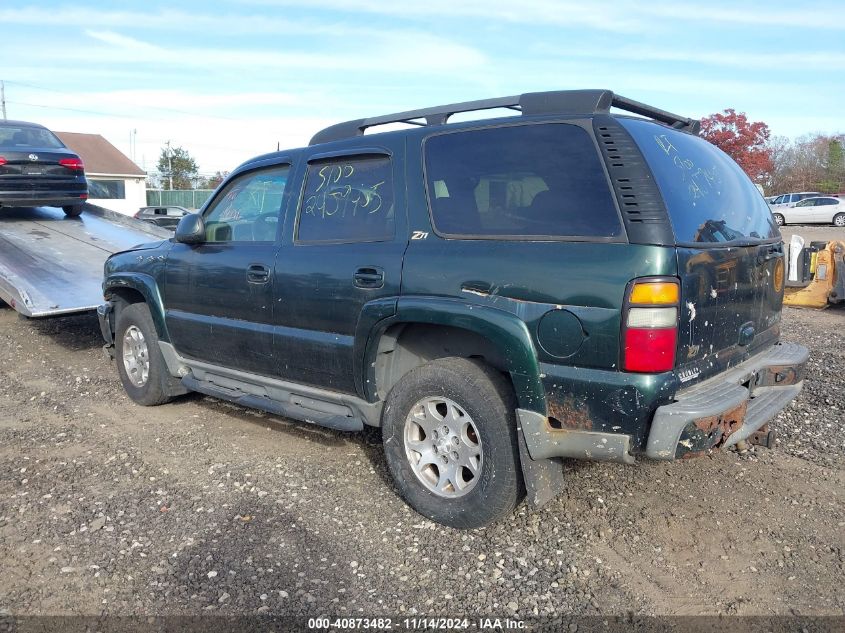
point(746, 142)
point(177, 167)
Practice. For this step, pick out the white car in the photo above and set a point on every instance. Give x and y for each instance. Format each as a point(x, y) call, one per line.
point(818, 210)
point(786, 200)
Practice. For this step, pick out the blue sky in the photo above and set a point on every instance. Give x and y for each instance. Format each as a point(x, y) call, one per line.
point(231, 80)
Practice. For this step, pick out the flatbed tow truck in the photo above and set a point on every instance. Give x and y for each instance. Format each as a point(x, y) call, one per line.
point(51, 264)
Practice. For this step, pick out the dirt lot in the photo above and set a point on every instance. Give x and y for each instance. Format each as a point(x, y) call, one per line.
point(200, 506)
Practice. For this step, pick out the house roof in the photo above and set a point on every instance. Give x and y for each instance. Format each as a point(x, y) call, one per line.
point(100, 156)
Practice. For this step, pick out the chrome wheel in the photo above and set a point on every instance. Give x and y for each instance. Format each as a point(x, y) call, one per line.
point(136, 358)
point(443, 447)
point(839, 220)
point(779, 219)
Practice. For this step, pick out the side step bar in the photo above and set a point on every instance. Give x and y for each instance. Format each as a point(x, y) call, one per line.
point(298, 407)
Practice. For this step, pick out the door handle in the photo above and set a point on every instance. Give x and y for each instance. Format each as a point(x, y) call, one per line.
point(258, 274)
point(368, 277)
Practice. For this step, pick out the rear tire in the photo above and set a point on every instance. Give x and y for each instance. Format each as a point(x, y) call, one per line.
point(839, 219)
point(460, 414)
point(140, 364)
point(72, 210)
point(779, 219)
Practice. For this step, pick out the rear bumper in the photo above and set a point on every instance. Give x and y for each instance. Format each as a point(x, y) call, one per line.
point(41, 198)
point(729, 407)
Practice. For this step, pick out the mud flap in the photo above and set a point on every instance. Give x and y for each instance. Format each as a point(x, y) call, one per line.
point(543, 477)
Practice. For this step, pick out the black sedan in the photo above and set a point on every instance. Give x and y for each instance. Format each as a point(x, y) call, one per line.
point(36, 169)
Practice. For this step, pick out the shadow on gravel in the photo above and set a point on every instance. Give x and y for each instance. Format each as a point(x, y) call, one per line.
point(283, 426)
point(258, 554)
point(369, 439)
point(75, 333)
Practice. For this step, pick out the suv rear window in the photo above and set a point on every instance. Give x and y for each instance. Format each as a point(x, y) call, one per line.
point(536, 180)
point(708, 196)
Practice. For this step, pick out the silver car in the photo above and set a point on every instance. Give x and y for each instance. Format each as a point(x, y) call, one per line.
point(817, 210)
point(167, 216)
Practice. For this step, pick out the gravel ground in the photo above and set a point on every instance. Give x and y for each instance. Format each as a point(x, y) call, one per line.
point(204, 507)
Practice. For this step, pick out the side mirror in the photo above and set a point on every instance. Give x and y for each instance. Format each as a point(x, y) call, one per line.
point(191, 229)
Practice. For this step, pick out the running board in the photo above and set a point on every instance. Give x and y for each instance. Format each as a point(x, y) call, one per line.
point(298, 407)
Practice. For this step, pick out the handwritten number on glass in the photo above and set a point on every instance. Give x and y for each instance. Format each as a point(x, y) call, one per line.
point(337, 196)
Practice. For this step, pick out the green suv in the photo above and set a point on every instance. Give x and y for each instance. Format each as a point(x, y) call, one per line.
point(496, 295)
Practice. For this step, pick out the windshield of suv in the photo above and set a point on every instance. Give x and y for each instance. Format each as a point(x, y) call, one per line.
point(24, 137)
point(708, 196)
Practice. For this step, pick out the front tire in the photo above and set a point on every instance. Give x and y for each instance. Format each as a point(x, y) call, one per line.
point(779, 219)
point(140, 364)
point(839, 219)
point(450, 440)
point(72, 210)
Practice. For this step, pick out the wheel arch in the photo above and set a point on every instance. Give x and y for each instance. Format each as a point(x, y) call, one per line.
point(129, 288)
point(424, 329)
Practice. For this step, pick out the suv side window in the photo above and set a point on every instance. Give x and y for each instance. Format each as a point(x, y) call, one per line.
point(247, 210)
point(537, 180)
point(347, 199)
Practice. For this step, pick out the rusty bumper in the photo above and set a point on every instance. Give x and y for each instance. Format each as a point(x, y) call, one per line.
point(730, 407)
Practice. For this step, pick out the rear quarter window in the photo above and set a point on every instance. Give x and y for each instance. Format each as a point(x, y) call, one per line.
point(519, 181)
point(708, 196)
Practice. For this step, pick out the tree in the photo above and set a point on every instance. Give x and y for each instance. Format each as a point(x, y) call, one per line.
point(177, 168)
point(834, 177)
point(813, 162)
point(214, 181)
point(746, 142)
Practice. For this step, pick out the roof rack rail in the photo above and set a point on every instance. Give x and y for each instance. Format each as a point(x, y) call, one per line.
point(529, 103)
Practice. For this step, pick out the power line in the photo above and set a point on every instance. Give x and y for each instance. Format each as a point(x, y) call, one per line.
point(52, 107)
point(146, 107)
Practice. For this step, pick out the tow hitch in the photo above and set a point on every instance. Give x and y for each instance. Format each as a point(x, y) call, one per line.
point(762, 437)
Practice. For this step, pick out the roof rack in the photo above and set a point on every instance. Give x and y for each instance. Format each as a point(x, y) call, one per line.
point(529, 103)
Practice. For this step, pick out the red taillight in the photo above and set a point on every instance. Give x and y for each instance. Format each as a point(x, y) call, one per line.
point(72, 163)
point(650, 326)
point(3, 161)
point(650, 351)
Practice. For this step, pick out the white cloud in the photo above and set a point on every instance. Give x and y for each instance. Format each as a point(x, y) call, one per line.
point(122, 41)
point(786, 59)
point(602, 16)
point(389, 52)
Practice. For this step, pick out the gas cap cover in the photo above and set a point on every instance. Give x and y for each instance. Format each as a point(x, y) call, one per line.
point(560, 333)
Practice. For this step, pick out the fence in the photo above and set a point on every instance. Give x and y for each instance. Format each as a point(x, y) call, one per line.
point(188, 198)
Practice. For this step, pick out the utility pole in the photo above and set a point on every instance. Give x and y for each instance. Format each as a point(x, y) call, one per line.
point(133, 142)
point(169, 165)
point(3, 98)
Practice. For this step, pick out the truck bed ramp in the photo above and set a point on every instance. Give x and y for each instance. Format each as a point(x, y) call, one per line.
point(52, 264)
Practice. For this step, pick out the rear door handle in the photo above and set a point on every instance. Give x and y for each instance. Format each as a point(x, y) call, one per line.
point(368, 277)
point(258, 274)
